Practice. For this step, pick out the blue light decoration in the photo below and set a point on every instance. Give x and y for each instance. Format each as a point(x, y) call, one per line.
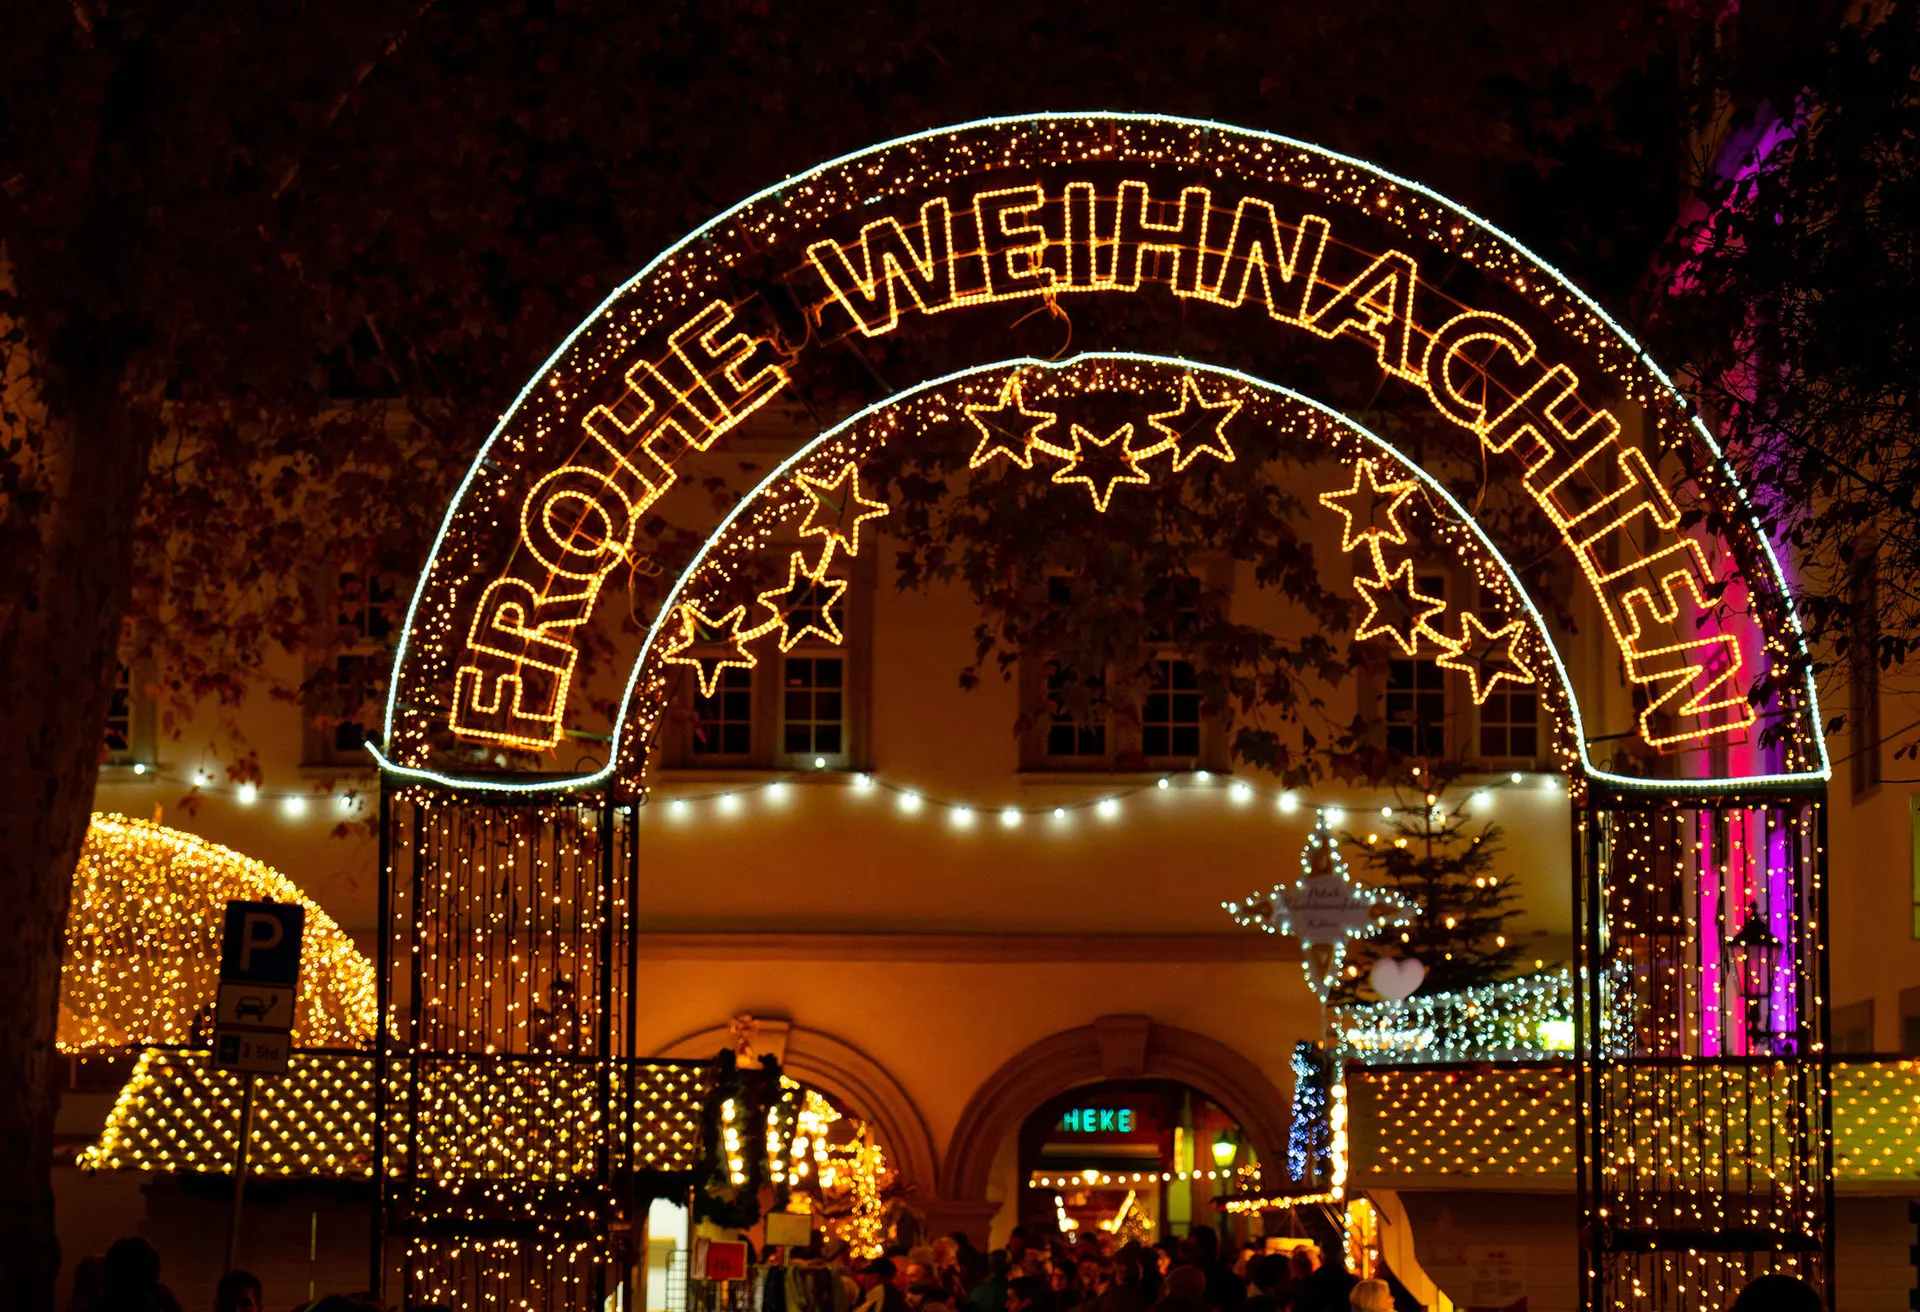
point(1310, 1138)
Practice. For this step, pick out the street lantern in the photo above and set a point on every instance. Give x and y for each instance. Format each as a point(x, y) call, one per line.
point(1752, 952)
point(1224, 1149)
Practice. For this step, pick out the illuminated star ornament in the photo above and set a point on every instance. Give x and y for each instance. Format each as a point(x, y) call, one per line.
point(1396, 608)
point(1003, 434)
point(1195, 427)
point(711, 645)
point(1102, 463)
point(1325, 909)
point(837, 514)
point(804, 604)
point(1369, 507)
point(1486, 656)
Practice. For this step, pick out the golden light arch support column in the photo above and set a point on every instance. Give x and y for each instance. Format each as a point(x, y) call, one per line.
point(1226, 261)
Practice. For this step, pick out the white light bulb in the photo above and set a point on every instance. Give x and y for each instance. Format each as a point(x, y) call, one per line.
point(1010, 817)
point(1203, 775)
point(819, 762)
point(1109, 807)
point(139, 767)
point(863, 782)
point(729, 804)
point(247, 793)
point(909, 802)
point(1515, 776)
point(1335, 816)
point(1386, 813)
point(1242, 793)
point(677, 808)
point(962, 817)
point(344, 801)
point(1059, 813)
point(776, 792)
point(294, 805)
point(1162, 784)
point(1288, 803)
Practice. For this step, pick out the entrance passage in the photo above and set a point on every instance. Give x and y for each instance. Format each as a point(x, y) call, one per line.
point(1138, 1159)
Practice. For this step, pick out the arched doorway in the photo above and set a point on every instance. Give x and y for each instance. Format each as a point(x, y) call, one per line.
point(1205, 269)
point(1142, 1160)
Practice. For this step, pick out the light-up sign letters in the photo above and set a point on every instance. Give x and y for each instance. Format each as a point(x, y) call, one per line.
point(1302, 247)
point(1097, 1120)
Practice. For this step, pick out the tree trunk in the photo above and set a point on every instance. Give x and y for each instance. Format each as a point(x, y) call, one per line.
point(62, 599)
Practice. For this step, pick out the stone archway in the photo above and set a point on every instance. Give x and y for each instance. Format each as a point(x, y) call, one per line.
point(1112, 1048)
point(856, 1081)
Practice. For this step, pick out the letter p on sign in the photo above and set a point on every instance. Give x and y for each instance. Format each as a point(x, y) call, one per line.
point(261, 944)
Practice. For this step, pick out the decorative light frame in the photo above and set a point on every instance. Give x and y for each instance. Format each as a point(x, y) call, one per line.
point(731, 377)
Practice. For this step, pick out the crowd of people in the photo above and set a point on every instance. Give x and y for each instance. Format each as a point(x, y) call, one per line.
point(1094, 1272)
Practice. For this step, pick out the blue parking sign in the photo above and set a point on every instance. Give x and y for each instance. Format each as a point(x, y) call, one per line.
point(261, 944)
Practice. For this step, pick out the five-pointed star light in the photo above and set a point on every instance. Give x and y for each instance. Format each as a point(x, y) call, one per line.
point(711, 644)
point(1396, 607)
point(1102, 463)
point(1368, 507)
point(836, 515)
point(1195, 417)
point(1486, 656)
point(808, 598)
point(1009, 429)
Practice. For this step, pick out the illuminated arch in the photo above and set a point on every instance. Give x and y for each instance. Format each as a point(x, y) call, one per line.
point(1301, 251)
point(1113, 1047)
point(861, 1085)
point(143, 943)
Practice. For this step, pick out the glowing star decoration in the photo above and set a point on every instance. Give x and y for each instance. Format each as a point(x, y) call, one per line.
point(837, 515)
point(1369, 507)
point(1207, 428)
point(1325, 909)
point(1486, 656)
point(1001, 434)
point(723, 640)
point(1102, 463)
point(1396, 608)
point(804, 604)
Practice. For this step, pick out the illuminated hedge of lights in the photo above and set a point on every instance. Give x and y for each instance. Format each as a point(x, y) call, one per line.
point(1516, 1122)
point(143, 943)
point(179, 1114)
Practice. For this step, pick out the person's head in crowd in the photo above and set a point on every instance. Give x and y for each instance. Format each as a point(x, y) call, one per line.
point(1777, 1293)
point(946, 1252)
point(877, 1272)
point(1370, 1296)
point(239, 1291)
point(1301, 1262)
point(999, 1264)
point(919, 1273)
point(1268, 1272)
point(130, 1273)
point(1187, 1284)
point(89, 1277)
point(1025, 1293)
point(1062, 1278)
point(1017, 1244)
point(1204, 1245)
point(1096, 1273)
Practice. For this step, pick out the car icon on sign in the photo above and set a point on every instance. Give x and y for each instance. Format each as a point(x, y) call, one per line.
point(251, 1007)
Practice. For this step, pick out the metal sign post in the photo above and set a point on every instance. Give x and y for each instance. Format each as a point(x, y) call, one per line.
point(253, 1014)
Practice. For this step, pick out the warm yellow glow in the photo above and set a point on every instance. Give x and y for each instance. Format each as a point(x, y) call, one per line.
point(143, 943)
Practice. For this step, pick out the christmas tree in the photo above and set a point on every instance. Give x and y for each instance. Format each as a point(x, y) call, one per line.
point(1437, 855)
